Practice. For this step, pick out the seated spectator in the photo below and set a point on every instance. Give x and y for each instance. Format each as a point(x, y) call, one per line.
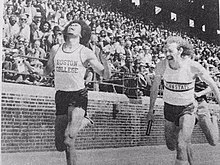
point(21, 69)
point(127, 48)
point(8, 55)
point(36, 67)
point(89, 77)
point(36, 52)
point(119, 46)
point(21, 45)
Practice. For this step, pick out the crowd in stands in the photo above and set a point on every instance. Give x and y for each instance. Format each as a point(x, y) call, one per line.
point(133, 47)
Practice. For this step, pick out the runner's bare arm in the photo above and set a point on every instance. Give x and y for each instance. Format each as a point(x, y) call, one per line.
point(50, 63)
point(205, 76)
point(103, 69)
point(203, 92)
point(159, 70)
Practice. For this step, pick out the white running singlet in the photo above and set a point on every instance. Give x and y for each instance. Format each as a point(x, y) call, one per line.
point(178, 85)
point(69, 70)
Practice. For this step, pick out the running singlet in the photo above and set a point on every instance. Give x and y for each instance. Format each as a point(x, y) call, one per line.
point(178, 85)
point(69, 70)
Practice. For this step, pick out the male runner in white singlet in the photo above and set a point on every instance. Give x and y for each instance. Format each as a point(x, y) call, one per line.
point(69, 62)
point(179, 72)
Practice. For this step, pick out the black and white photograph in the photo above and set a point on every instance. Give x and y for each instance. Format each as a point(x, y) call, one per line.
point(110, 82)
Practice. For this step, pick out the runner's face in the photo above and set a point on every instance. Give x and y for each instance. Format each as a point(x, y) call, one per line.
point(74, 29)
point(172, 52)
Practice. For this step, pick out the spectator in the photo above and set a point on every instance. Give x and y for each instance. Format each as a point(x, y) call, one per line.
point(30, 10)
point(9, 11)
point(36, 52)
point(56, 37)
point(24, 30)
point(97, 51)
point(140, 42)
point(45, 28)
point(37, 20)
point(12, 29)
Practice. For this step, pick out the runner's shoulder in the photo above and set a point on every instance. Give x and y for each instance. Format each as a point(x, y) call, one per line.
point(196, 67)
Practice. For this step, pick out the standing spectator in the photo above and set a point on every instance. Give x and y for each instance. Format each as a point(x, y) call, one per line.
point(24, 30)
point(37, 51)
point(127, 48)
point(8, 12)
point(30, 10)
point(37, 19)
point(12, 29)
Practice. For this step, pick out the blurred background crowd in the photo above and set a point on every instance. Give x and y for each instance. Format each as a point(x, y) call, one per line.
point(132, 46)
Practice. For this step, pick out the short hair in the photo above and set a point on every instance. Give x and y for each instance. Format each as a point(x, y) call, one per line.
point(182, 43)
point(56, 28)
point(85, 32)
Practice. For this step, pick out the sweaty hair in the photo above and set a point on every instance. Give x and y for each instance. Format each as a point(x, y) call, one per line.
point(182, 43)
point(85, 32)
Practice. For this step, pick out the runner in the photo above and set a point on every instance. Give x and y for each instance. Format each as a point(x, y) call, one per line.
point(69, 62)
point(179, 71)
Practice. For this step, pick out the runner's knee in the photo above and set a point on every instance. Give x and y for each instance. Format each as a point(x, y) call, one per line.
point(69, 142)
point(181, 145)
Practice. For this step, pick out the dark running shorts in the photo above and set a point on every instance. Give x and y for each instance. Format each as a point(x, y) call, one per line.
point(64, 99)
point(172, 113)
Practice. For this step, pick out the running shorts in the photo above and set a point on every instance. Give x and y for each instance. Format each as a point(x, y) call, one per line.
point(172, 113)
point(64, 99)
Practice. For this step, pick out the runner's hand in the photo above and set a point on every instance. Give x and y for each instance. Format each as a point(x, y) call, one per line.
point(150, 116)
point(196, 94)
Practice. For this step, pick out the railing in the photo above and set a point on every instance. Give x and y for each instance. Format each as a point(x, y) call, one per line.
point(123, 83)
point(120, 82)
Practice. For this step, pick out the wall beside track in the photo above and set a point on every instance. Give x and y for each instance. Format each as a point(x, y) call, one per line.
point(28, 114)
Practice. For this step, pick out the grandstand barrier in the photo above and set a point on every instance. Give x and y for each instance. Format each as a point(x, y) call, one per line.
point(28, 113)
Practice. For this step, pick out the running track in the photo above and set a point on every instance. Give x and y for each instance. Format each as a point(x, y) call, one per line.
point(143, 155)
